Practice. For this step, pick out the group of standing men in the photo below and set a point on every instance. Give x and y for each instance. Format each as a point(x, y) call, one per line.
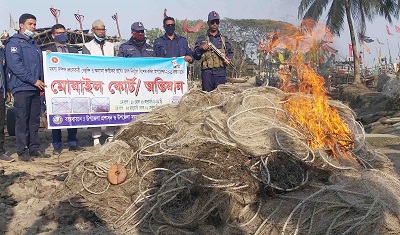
point(22, 73)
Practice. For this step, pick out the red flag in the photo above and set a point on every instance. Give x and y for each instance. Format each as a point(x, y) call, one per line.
point(350, 50)
point(196, 28)
point(330, 49)
point(387, 30)
point(185, 29)
point(397, 29)
point(367, 48)
point(165, 13)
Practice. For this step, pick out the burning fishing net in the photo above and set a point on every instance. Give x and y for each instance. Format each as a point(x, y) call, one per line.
point(242, 161)
point(230, 162)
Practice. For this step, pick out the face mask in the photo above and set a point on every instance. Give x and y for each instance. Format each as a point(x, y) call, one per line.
point(61, 38)
point(170, 29)
point(29, 33)
point(98, 38)
point(139, 37)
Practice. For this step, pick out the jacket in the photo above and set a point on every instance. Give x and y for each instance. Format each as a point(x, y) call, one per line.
point(3, 78)
point(181, 49)
point(130, 49)
point(24, 63)
point(93, 48)
point(53, 48)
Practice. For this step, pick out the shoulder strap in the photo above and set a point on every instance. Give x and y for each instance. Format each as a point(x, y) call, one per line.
point(223, 41)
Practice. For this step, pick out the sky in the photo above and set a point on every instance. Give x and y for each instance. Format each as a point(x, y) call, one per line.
point(150, 12)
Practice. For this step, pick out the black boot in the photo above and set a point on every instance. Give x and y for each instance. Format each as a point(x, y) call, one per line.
point(25, 157)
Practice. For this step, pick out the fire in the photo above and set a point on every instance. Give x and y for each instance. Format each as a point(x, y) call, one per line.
point(307, 101)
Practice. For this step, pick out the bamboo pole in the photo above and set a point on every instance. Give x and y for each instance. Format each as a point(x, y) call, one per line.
point(115, 17)
point(55, 13)
point(80, 19)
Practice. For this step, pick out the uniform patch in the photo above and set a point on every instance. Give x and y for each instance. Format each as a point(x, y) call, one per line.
point(14, 50)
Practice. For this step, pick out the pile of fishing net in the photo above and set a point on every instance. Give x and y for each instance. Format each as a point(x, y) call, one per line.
point(228, 162)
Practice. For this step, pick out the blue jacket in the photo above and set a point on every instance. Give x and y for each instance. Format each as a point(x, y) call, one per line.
point(130, 49)
point(182, 48)
point(24, 62)
point(3, 78)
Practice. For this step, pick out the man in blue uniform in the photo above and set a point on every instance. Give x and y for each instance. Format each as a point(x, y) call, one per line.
point(213, 68)
point(24, 61)
point(136, 46)
point(3, 84)
point(172, 44)
point(59, 34)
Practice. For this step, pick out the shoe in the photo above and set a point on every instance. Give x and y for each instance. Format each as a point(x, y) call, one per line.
point(25, 157)
point(96, 141)
point(6, 158)
point(76, 148)
point(39, 154)
point(57, 151)
point(109, 139)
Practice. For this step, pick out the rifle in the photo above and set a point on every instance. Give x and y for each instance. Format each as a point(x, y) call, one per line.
point(222, 56)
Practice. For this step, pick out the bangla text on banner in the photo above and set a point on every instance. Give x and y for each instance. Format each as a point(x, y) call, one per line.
point(89, 91)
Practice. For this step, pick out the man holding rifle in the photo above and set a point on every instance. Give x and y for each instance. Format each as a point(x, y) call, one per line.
point(215, 53)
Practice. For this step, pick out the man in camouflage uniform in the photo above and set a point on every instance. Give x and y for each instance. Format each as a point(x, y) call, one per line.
point(213, 68)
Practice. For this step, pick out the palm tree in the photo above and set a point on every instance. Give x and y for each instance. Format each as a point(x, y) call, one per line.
point(354, 10)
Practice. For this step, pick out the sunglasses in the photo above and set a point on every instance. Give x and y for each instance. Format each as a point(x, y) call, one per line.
point(170, 25)
point(214, 22)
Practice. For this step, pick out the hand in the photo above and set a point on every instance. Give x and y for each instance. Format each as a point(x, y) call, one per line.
point(204, 47)
point(227, 62)
point(39, 84)
point(188, 59)
point(48, 51)
point(8, 96)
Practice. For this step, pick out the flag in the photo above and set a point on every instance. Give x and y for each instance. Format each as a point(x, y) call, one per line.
point(380, 55)
point(185, 29)
point(165, 13)
point(379, 41)
point(330, 49)
point(13, 24)
point(387, 30)
point(366, 38)
point(397, 29)
point(350, 50)
point(367, 48)
point(195, 29)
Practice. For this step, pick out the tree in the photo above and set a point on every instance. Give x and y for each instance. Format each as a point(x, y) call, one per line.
point(355, 11)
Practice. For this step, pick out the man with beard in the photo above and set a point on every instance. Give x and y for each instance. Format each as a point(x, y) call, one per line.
point(99, 46)
point(136, 46)
point(172, 44)
point(213, 68)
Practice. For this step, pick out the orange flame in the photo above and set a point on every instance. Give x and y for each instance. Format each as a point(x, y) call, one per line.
point(308, 102)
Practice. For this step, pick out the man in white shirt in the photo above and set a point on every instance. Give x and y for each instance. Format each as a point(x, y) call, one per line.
point(99, 46)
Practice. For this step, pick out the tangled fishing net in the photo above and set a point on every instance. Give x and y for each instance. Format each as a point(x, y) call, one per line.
point(230, 162)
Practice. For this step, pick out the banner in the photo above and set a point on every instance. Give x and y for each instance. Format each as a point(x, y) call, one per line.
point(89, 91)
